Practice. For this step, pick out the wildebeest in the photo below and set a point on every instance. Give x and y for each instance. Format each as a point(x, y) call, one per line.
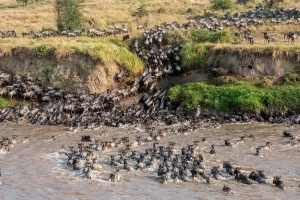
point(27, 33)
point(249, 36)
point(5, 34)
point(126, 37)
point(267, 37)
point(291, 36)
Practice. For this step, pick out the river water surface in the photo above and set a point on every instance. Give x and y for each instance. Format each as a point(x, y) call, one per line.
point(35, 170)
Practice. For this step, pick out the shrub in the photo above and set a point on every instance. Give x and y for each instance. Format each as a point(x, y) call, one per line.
point(221, 4)
point(175, 37)
point(44, 50)
point(201, 36)
point(291, 78)
point(221, 37)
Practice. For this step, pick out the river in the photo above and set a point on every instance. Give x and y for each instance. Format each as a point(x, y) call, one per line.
point(35, 170)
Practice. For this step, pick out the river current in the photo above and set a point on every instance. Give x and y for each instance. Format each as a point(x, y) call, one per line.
point(35, 170)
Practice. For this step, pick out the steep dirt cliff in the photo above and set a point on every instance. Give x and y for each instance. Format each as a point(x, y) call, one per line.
point(255, 66)
point(77, 72)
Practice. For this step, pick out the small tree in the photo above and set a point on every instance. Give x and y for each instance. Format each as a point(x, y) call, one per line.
point(221, 4)
point(69, 14)
point(140, 12)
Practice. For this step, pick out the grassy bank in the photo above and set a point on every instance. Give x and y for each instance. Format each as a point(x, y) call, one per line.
point(240, 96)
point(108, 51)
point(196, 55)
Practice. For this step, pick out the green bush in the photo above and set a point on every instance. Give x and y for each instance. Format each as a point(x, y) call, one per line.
point(221, 4)
point(291, 78)
point(176, 37)
point(201, 36)
point(221, 37)
point(44, 50)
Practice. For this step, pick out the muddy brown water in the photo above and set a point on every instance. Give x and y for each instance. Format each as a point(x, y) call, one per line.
point(36, 170)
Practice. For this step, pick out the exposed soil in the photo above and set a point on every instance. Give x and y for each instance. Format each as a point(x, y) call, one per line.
point(78, 73)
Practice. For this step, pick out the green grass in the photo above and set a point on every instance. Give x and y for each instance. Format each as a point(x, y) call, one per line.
point(5, 102)
point(240, 96)
point(201, 36)
point(110, 53)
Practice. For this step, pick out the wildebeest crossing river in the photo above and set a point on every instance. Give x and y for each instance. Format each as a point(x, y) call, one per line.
point(36, 169)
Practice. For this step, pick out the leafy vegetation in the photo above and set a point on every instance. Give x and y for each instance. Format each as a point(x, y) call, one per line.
point(47, 72)
point(110, 53)
point(176, 37)
point(140, 12)
point(69, 14)
point(239, 96)
point(291, 78)
point(6, 102)
point(44, 50)
point(221, 4)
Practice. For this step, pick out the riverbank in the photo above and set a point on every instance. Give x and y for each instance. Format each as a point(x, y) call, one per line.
point(237, 96)
point(80, 67)
point(254, 61)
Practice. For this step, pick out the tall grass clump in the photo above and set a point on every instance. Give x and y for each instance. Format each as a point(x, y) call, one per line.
point(242, 96)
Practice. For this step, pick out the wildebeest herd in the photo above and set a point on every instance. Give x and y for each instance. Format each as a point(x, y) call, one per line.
point(239, 20)
point(53, 106)
point(56, 107)
point(172, 162)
